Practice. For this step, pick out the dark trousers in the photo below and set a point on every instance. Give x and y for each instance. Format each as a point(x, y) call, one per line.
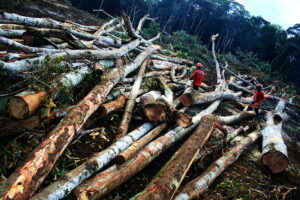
point(196, 87)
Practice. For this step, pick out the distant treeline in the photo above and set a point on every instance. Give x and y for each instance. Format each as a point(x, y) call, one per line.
point(202, 18)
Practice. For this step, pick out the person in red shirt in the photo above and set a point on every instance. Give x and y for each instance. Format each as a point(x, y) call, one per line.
point(197, 77)
point(258, 98)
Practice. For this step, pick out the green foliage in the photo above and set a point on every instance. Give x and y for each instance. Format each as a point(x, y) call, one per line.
point(151, 31)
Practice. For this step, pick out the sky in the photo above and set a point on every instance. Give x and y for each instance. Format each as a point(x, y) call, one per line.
point(285, 13)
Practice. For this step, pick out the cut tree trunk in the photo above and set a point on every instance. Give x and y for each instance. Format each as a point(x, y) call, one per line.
point(274, 153)
point(112, 106)
point(172, 59)
point(153, 109)
point(138, 145)
point(25, 104)
point(164, 186)
point(235, 118)
point(23, 183)
point(126, 119)
point(65, 184)
point(197, 186)
point(114, 176)
point(165, 65)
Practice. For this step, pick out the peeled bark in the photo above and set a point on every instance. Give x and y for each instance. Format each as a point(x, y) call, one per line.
point(197, 186)
point(169, 179)
point(65, 184)
point(235, 118)
point(25, 104)
point(106, 181)
point(24, 65)
point(138, 145)
point(274, 153)
point(23, 183)
point(126, 118)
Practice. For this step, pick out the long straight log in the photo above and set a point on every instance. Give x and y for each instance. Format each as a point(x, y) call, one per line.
point(114, 176)
point(172, 59)
point(12, 33)
point(197, 186)
point(274, 153)
point(23, 182)
point(126, 118)
point(164, 186)
point(65, 184)
point(138, 145)
point(23, 65)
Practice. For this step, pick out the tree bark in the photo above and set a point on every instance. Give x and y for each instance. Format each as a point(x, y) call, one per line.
point(112, 106)
point(138, 145)
point(164, 65)
point(23, 183)
point(142, 21)
point(126, 119)
point(23, 65)
point(12, 33)
point(235, 118)
point(274, 153)
point(172, 59)
point(169, 179)
point(114, 176)
point(197, 186)
point(65, 184)
point(128, 25)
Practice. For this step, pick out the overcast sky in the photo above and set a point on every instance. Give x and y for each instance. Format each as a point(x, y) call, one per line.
point(285, 13)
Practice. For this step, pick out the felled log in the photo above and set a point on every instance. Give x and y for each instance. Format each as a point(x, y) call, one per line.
point(189, 98)
point(235, 118)
point(138, 145)
point(198, 185)
point(172, 59)
point(126, 118)
point(164, 65)
point(102, 28)
point(169, 179)
point(142, 21)
point(25, 64)
point(19, 46)
point(106, 181)
point(112, 106)
point(149, 74)
point(27, 102)
point(64, 185)
point(128, 25)
point(274, 153)
point(23, 183)
point(11, 33)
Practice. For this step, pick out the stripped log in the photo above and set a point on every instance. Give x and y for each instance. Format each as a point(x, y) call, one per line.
point(126, 118)
point(65, 184)
point(198, 185)
point(138, 145)
point(114, 176)
point(23, 182)
point(274, 153)
point(27, 102)
point(169, 179)
point(25, 64)
point(235, 118)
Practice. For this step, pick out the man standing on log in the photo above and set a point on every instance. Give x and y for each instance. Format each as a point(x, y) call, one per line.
point(258, 98)
point(197, 77)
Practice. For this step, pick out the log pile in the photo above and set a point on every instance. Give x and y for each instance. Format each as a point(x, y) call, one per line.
point(77, 56)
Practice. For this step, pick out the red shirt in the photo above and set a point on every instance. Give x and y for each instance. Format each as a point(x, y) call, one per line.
point(197, 77)
point(259, 97)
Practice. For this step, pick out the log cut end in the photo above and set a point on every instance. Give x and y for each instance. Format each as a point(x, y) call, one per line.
point(186, 99)
point(276, 161)
point(155, 112)
point(120, 160)
point(18, 108)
